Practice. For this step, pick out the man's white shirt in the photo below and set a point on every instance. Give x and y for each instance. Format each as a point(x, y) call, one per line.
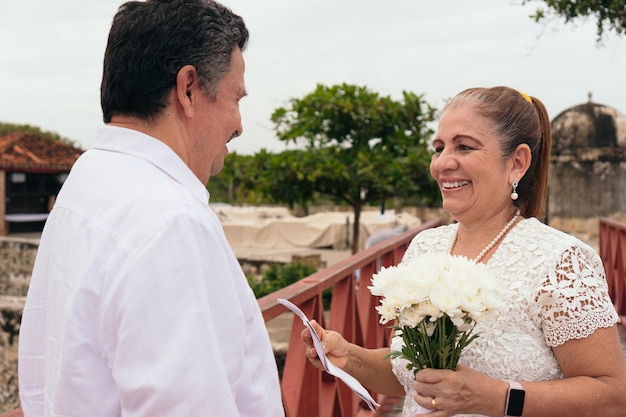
point(137, 305)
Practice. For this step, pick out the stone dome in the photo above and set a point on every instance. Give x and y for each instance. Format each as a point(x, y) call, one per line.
point(590, 130)
point(588, 165)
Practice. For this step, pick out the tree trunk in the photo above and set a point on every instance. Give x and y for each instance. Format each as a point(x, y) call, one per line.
point(356, 228)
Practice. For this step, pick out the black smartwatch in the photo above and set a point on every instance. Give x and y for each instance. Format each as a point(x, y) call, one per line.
point(515, 399)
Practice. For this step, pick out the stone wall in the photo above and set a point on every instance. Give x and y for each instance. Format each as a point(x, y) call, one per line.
point(11, 309)
point(586, 188)
point(17, 256)
point(4, 226)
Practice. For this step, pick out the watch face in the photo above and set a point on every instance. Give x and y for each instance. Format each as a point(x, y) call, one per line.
point(516, 402)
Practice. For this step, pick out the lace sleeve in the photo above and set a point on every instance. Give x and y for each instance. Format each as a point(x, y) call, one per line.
point(573, 300)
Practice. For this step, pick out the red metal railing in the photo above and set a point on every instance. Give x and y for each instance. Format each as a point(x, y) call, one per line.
point(306, 391)
point(613, 253)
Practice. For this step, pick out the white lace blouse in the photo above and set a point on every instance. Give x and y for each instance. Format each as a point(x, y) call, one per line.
point(556, 291)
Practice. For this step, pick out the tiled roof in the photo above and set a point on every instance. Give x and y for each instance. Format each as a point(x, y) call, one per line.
point(28, 152)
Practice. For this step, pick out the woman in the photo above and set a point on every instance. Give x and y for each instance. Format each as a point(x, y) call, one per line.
point(554, 350)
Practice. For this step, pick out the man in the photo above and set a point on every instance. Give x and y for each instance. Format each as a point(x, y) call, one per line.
point(137, 305)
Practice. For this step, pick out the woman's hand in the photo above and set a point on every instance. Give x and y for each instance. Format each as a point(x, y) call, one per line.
point(368, 366)
point(335, 346)
point(464, 391)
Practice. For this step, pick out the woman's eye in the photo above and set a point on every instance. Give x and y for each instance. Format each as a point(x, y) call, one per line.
point(438, 149)
point(464, 148)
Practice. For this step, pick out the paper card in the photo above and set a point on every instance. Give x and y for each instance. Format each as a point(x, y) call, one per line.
point(348, 379)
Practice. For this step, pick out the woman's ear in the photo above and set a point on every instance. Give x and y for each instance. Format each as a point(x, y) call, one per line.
point(521, 160)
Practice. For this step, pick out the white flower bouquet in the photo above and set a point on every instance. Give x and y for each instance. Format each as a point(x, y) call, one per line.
point(435, 301)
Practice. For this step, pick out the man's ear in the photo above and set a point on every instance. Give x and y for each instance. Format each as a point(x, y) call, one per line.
point(521, 160)
point(187, 89)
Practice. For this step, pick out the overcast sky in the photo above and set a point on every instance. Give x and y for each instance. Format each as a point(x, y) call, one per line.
point(51, 57)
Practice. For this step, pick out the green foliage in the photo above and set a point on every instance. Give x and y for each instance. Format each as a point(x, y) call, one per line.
point(242, 182)
point(356, 147)
point(279, 276)
point(610, 15)
point(235, 183)
point(440, 349)
point(284, 177)
point(10, 127)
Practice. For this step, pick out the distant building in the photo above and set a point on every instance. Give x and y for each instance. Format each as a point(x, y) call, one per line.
point(32, 170)
point(588, 169)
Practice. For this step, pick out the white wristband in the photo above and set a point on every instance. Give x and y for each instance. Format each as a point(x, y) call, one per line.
point(514, 400)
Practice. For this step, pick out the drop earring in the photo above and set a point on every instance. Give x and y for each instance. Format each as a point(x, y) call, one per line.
point(514, 194)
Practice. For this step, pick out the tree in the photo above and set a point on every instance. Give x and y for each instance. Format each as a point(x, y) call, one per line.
point(34, 130)
point(235, 184)
point(284, 177)
point(356, 147)
point(225, 187)
point(609, 14)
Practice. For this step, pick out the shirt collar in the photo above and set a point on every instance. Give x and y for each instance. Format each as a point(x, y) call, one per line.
point(152, 150)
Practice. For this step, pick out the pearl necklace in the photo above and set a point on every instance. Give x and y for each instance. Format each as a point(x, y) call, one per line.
point(491, 244)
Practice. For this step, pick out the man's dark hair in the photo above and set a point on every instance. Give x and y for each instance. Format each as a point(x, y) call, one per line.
point(150, 41)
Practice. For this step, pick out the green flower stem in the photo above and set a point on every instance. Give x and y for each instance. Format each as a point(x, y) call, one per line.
point(442, 350)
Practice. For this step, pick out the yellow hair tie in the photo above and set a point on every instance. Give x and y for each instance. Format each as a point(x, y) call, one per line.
point(526, 97)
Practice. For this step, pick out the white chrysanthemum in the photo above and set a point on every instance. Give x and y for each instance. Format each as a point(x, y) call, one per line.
point(411, 317)
point(446, 301)
point(465, 325)
point(434, 284)
point(427, 293)
point(387, 312)
point(430, 310)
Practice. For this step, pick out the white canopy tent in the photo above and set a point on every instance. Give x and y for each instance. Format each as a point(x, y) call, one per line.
point(275, 227)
